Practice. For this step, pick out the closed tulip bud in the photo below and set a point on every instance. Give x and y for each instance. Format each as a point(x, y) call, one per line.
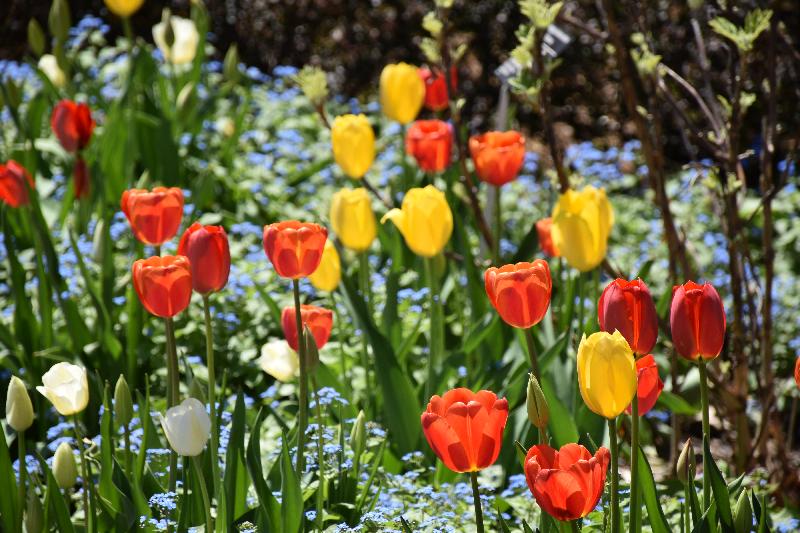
point(311, 350)
point(317, 319)
point(123, 8)
point(34, 514)
point(520, 293)
point(743, 513)
point(686, 463)
point(59, 20)
point(329, 272)
point(48, 64)
point(697, 320)
point(498, 156)
point(72, 124)
point(154, 215)
point(626, 306)
point(36, 38)
point(606, 373)
point(13, 189)
point(163, 283)
point(294, 248)
point(209, 256)
point(67, 388)
point(230, 65)
point(64, 468)
point(353, 144)
point(185, 38)
point(582, 222)
point(279, 360)
point(187, 427)
point(424, 220)
point(649, 384)
point(401, 92)
point(544, 229)
point(430, 142)
point(538, 412)
point(19, 410)
point(123, 403)
point(358, 435)
point(352, 218)
point(436, 95)
point(196, 391)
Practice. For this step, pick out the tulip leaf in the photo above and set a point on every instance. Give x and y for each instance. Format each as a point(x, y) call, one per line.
point(655, 515)
point(481, 330)
point(675, 404)
point(561, 425)
point(718, 486)
point(268, 505)
point(9, 506)
point(236, 482)
point(406, 527)
point(291, 496)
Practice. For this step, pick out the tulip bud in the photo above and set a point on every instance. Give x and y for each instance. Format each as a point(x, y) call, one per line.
point(312, 352)
point(358, 435)
point(686, 464)
point(19, 411)
point(230, 65)
point(402, 92)
point(353, 143)
point(177, 38)
point(538, 413)
point(169, 31)
point(196, 391)
point(64, 468)
point(187, 427)
point(59, 20)
point(743, 513)
point(34, 514)
point(123, 403)
point(36, 37)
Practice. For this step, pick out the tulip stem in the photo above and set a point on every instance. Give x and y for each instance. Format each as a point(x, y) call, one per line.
point(532, 353)
point(476, 498)
point(173, 385)
point(302, 417)
point(126, 435)
point(364, 286)
point(88, 511)
point(342, 358)
point(212, 397)
point(198, 470)
point(498, 224)
point(614, 491)
point(635, 520)
point(23, 474)
point(686, 500)
point(320, 460)
point(437, 334)
point(701, 364)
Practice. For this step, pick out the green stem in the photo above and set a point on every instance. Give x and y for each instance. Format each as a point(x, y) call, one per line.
point(126, 433)
point(87, 483)
point(532, 353)
point(364, 285)
point(302, 419)
point(635, 521)
point(706, 431)
point(686, 496)
point(320, 460)
point(476, 498)
point(498, 224)
point(173, 386)
point(23, 475)
point(437, 335)
point(212, 398)
point(198, 470)
point(342, 357)
point(612, 436)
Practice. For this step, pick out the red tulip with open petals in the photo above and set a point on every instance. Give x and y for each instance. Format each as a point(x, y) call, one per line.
point(163, 283)
point(520, 292)
point(295, 248)
point(697, 319)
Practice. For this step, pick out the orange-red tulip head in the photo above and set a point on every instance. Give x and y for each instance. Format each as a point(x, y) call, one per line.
point(627, 306)
point(163, 283)
point(520, 293)
point(498, 156)
point(430, 143)
point(436, 95)
point(649, 384)
point(72, 124)
point(317, 319)
point(13, 189)
point(294, 248)
point(697, 320)
point(154, 215)
point(544, 230)
point(797, 371)
point(209, 256)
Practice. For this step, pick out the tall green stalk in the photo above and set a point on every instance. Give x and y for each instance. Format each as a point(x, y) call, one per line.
point(173, 388)
point(612, 437)
point(88, 503)
point(198, 470)
point(320, 460)
point(23, 475)
point(302, 417)
point(532, 353)
point(706, 428)
point(366, 292)
point(436, 348)
point(635, 517)
point(476, 500)
point(212, 397)
point(498, 224)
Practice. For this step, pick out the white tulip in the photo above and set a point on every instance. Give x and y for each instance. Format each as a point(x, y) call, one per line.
point(187, 427)
point(279, 360)
point(67, 387)
point(64, 468)
point(19, 411)
point(49, 65)
point(186, 38)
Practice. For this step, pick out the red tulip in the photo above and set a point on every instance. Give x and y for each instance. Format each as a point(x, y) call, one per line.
point(697, 319)
point(73, 125)
point(154, 215)
point(295, 248)
point(498, 156)
point(566, 483)
point(465, 429)
point(797, 371)
point(13, 190)
point(430, 142)
point(316, 319)
point(543, 228)
point(80, 174)
point(627, 306)
point(521, 292)
point(163, 283)
point(209, 256)
point(436, 95)
point(650, 384)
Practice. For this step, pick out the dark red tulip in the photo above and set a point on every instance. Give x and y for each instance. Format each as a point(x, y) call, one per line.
point(295, 248)
point(13, 190)
point(317, 319)
point(430, 142)
point(209, 256)
point(649, 384)
point(164, 284)
point(626, 306)
point(72, 124)
point(697, 319)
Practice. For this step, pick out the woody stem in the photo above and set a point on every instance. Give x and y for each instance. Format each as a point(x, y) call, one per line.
point(302, 417)
point(476, 498)
point(612, 437)
point(706, 429)
point(532, 353)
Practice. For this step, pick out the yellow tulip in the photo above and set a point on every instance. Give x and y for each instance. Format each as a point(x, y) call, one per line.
point(606, 373)
point(353, 144)
point(582, 222)
point(425, 220)
point(402, 92)
point(329, 272)
point(352, 218)
point(124, 8)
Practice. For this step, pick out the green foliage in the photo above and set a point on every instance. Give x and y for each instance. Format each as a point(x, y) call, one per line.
point(755, 23)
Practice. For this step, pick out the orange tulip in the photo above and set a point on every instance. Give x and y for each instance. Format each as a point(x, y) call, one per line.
point(163, 283)
point(521, 292)
point(13, 190)
point(436, 96)
point(295, 248)
point(209, 256)
point(797, 371)
point(72, 124)
point(697, 320)
point(650, 384)
point(566, 483)
point(465, 429)
point(626, 306)
point(543, 228)
point(154, 215)
point(498, 156)
point(430, 142)
point(319, 320)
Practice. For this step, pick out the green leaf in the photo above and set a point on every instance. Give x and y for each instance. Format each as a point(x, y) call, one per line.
point(236, 481)
point(676, 404)
point(9, 506)
point(291, 497)
point(268, 504)
point(562, 426)
point(718, 486)
point(655, 515)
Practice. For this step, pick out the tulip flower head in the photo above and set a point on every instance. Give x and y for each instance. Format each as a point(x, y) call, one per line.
point(13, 189)
point(436, 94)
point(317, 319)
point(67, 388)
point(430, 142)
point(65, 471)
point(498, 156)
point(401, 92)
point(294, 248)
point(797, 371)
point(544, 230)
point(649, 384)
point(353, 144)
point(697, 320)
point(187, 427)
point(566, 483)
point(186, 38)
point(209, 256)
point(72, 124)
point(520, 293)
point(19, 410)
point(627, 306)
point(279, 360)
point(123, 8)
point(154, 215)
point(465, 428)
point(329, 272)
point(606, 373)
point(582, 222)
point(163, 283)
point(352, 218)
point(424, 219)
point(49, 65)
